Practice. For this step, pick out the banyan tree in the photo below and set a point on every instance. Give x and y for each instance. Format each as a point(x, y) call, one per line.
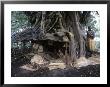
point(63, 31)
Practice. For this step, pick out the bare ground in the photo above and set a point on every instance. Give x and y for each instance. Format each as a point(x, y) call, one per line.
point(24, 69)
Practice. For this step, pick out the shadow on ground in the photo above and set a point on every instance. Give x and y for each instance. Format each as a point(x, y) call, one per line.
point(87, 71)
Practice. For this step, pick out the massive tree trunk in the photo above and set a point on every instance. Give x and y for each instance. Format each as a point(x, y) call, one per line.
point(76, 29)
point(81, 36)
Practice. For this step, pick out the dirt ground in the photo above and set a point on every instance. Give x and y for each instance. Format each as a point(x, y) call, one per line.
point(88, 71)
point(83, 68)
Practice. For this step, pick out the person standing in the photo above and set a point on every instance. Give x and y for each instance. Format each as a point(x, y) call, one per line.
point(90, 40)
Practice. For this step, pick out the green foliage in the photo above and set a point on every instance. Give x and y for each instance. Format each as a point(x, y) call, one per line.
point(93, 22)
point(18, 21)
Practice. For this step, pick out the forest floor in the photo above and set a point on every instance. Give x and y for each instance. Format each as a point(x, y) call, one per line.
point(56, 68)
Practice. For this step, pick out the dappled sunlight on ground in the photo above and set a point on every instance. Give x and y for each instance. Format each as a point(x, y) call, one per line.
point(83, 67)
